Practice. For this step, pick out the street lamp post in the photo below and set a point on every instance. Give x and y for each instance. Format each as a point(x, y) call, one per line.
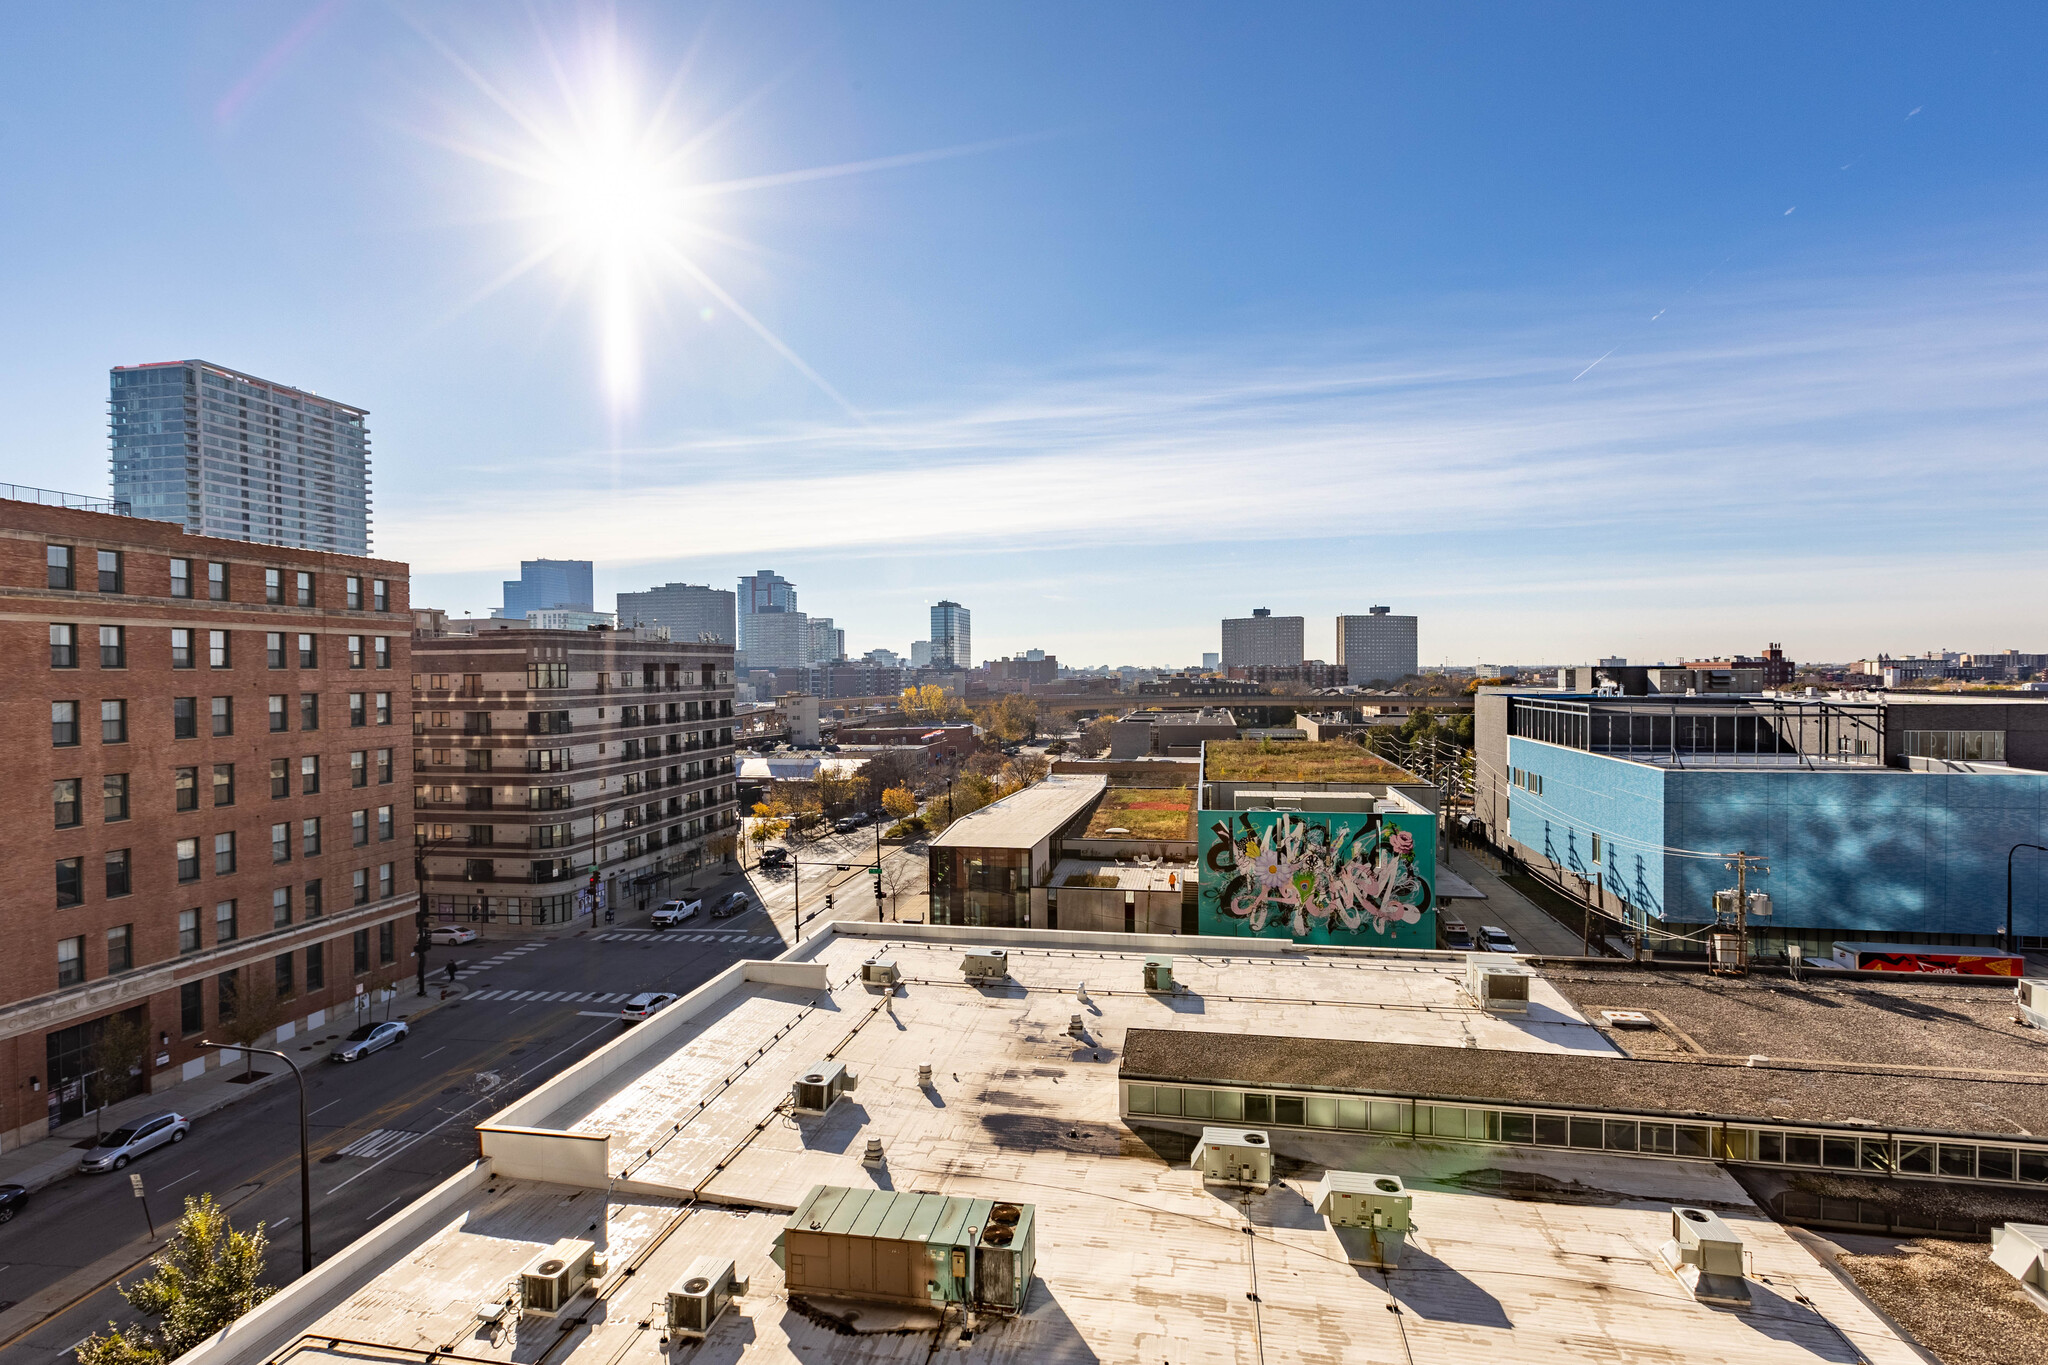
point(2005, 934)
point(305, 1165)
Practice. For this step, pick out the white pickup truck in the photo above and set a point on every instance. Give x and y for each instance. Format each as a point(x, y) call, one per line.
point(671, 913)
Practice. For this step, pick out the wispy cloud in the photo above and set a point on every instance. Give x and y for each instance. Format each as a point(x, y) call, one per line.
point(1833, 412)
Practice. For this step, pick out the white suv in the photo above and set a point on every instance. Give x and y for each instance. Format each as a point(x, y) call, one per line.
point(671, 913)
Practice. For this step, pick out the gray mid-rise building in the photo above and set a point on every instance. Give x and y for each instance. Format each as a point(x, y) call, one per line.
point(691, 612)
point(544, 584)
point(1262, 640)
point(1377, 647)
point(224, 453)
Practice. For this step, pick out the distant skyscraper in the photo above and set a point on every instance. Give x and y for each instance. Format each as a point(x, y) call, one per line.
point(952, 636)
point(1376, 648)
point(224, 453)
point(920, 653)
point(777, 639)
point(1262, 640)
point(828, 644)
point(690, 612)
point(763, 592)
point(1211, 662)
point(544, 583)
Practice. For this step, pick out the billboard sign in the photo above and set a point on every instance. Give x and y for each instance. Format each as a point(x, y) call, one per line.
point(1357, 878)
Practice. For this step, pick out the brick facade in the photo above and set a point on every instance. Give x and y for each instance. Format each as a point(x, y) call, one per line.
point(210, 713)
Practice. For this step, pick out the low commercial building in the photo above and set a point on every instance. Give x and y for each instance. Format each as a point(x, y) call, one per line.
point(562, 772)
point(984, 867)
point(997, 1167)
point(1169, 734)
point(212, 819)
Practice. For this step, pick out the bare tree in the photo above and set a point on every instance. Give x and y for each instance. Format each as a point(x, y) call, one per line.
point(257, 1010)
point(117, 1056)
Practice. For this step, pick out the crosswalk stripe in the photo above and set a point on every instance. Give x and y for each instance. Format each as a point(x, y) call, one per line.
point(379, 1142)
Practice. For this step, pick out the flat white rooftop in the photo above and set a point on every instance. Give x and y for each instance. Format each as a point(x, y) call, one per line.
point(1525, 1255)
point(1026, 818)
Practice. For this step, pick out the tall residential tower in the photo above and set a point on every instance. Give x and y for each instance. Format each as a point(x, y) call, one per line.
point(952, 636)
point(226, 454)
point(1379, 647)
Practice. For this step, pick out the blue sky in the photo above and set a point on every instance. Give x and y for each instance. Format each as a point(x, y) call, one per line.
point(1137, 316)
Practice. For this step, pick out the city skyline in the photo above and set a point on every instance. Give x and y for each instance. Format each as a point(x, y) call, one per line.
point(1513, 309)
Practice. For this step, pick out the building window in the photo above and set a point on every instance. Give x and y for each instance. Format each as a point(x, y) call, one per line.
point(223, 784)
point(192, 1008)
point(361, 880)
point(188, 931)
point(383, 708)
point(273, 648)
point(120, 949)
point(59, 559)
point(387, 942)
point(304, 584)
point(357, 716)
point(181, 578)
point(355, 651)
point(383, 766)
point(184, 717)
point(110, 570)
point(188, 860)
point(70, 882)
point(360, 942)
point(117, 872)
point(359, 828)
point(309, 710)
point(1956, 746)
point(63, 723)
point(387, 825)
point(113, 647)
point(181, 648)
point(359, 768)
point(229, 988)
point(281, 906)
point(70, 961)
point(273, 587)
point(309, 775)
point(312, 898)
point(185, 782)
point(280, 718)
point(309, 651)
point(380, 595)
point(217, 582)
point(316, 967)
point(224, 925)
point(281, 842)
point(63, 646)
point(282, 966)
point(280, 778)
point(223, 854)
point(217, 650)
point(355, 594)
point(547, 675)
point(64, 799)
point(380, 650)
point(113, 722)
point(309, 836)
point(223, 715)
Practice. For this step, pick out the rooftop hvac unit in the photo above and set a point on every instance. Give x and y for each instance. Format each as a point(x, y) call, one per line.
point(1370, 1215)
point(709, 1285)
point(820, 1087)
point(1003, 1259)
point(1159, 973)
point(556, 1275)
point(985, 964)
point(2021, 1251)
point(1233, 1156)
point(2031, 995)
point(1706, 1255)
point(1495, 986)
point(879, 971)
point(918, 1250)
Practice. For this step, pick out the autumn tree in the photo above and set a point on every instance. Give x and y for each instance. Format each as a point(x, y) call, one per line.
point(206, 1277)
point(1009, 718)
point(929, 704)
point(900, 802)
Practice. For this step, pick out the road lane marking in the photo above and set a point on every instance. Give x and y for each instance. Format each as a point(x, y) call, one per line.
point(442, 1048)
point(373, 1217)
point(161, 1188)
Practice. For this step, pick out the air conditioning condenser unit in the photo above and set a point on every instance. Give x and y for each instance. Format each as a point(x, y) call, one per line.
point(708, 1287)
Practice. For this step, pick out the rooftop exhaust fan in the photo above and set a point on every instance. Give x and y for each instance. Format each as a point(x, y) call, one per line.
point(1706, 1256)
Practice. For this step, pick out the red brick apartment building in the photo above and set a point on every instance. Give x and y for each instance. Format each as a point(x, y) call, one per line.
point(562, 771)
point(213, 804)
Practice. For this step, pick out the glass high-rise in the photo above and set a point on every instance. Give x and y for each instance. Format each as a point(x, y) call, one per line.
point(952, 636)
point(224, 453)
point(545, 583)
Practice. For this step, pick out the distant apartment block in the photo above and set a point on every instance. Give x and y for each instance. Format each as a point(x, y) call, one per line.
point(692, 613)
point(1377, 647)
point(544, 583)
point(1262, 640)
point(828, 643)
point(776, 638)
point(952, 643)
point(227, 454)
point(920, 653)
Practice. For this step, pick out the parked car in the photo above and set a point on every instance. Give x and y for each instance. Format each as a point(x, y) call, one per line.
point(1496, 939)
point(847, 824)
point(368, 1039)
point(452, 933)
point(732, 903)
point(644, 1004)
point(116, 1149)
point(1456, 936)
point(671, 913)
point(775, 856)
point(13, 1199)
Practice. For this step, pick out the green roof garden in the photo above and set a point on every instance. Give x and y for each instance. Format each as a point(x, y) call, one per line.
point(1329, 761)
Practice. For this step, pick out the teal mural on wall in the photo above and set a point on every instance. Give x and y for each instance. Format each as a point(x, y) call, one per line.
point(1348, 877)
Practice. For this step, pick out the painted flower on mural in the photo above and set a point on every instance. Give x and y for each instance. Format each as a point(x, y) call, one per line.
point(1310, 875)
